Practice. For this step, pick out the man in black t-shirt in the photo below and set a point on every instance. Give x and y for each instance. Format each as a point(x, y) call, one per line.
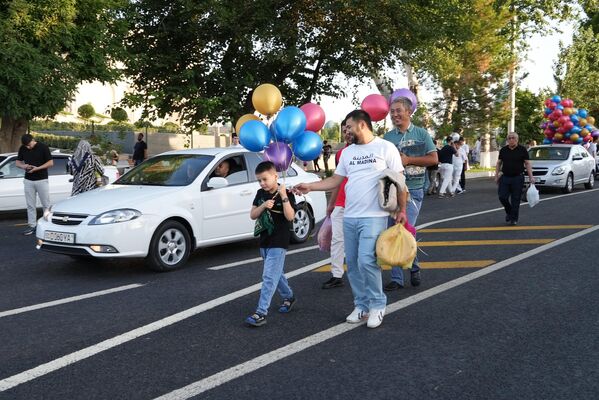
point(445, 156)
point(512, 161)
point(140, 150)
point(326, 154)
point(35, 158)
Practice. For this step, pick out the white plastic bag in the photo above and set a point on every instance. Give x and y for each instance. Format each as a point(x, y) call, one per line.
point(532, 195)
point(325, 234)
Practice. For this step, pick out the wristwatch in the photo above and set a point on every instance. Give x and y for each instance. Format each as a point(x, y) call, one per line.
point(285, 200)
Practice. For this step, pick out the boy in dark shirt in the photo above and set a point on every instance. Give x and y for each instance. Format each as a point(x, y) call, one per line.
point(274, 208)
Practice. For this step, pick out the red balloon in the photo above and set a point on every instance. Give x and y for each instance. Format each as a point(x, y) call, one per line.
point(552, 105)
point(563, 119)
point(376, 106)
point(568, 125)
point(315, 117)
point(549, 133)
point(548, 102)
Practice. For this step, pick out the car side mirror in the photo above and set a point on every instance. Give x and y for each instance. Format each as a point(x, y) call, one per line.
point(217, 183)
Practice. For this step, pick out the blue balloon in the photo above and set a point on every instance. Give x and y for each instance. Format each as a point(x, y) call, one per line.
point(579, 140)
point(547, 141)
point(290, 123)
point(574, 118)
point(548, 111)
point(307, 146)
point(556, 99)
point(576, 129)
point(583, 113)
point(589, 127)
point(559, 107)
point(254, 135)
point(568, 134)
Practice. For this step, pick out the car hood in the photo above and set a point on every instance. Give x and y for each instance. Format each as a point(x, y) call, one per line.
point(113, 197)
point(547, 163)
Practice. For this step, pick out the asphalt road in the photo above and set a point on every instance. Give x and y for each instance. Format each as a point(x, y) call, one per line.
point(502, 313)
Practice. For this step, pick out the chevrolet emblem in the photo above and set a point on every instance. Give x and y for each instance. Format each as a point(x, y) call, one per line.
point(65, 218)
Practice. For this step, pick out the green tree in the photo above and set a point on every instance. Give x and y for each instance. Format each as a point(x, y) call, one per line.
point(529, 115)
point(119, 114)
point(86, 111)
point(46, 49)
point(577, 70)
point(202, 59)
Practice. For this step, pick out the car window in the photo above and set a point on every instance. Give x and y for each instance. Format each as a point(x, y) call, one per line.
point(10, 170)
point(167, 170)
point(549, 153)
point(59, 167)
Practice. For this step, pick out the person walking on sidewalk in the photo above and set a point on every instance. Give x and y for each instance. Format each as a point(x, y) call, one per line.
point(363, 164)
point(140, 150)
point(35, 158)
point(465, 153)
point(446, 155)
point(335, 210)
point(513, 159)
point(274, 207)
point(417, 152)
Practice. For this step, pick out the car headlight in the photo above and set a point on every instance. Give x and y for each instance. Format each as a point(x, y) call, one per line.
point(114, 216)
point(558, 170)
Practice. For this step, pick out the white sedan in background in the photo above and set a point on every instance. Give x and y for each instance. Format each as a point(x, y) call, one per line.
point(169, 206)
point(12, 193)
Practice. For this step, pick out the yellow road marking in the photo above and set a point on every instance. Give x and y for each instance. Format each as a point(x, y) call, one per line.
point(430, 265)
point(504, 228)
point(483, 242)
point(23, 224)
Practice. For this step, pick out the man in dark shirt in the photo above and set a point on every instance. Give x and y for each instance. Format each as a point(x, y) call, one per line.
point(326, 154)
point(445, 156)
point(35, 159)
point(509, 170)
point(140, 150)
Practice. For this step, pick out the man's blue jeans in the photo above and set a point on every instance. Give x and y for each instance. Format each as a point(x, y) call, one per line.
point(273, 278)
point(364, 274)
point(511, 187)
point(412, 211)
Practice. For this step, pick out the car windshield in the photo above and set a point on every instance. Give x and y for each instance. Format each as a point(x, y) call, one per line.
point(167, 170)
point(549, 153)
point(2, 158)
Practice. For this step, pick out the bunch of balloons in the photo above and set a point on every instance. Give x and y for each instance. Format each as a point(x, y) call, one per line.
point(377, 105)
point(567, 124)
point(292, 132)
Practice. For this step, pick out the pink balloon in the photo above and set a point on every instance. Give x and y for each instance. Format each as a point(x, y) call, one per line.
point(315, 117)
point(376, 106)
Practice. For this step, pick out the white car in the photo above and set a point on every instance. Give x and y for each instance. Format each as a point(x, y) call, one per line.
point(562, 166)
point(169, 206)
point(12, 194)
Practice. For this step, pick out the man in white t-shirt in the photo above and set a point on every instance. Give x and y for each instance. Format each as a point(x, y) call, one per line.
point(363, 163)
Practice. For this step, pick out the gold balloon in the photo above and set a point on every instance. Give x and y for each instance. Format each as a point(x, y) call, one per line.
point(243, 119)
point(568, 111)
point(574, 137)
point(584, 132)
point(582, 122)
point(591, 120)
point(267, 99)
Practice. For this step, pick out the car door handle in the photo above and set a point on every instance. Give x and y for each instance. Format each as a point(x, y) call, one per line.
point(245, 193)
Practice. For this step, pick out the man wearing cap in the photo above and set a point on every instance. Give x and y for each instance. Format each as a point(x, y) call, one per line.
point(417, 152)
point(35, 158)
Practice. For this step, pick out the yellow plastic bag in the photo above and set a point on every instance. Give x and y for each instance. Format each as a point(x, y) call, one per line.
point(396, 246)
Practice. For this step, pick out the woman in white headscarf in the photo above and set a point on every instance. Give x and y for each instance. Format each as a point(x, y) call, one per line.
point(86, 169)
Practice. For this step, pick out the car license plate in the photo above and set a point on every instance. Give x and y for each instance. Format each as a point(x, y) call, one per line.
point(61, 237)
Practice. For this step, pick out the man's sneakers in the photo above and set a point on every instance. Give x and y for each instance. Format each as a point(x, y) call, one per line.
point(375, 318)
point(513, 223)
point(256, 319)
point(333, 283)
point(287, 305)
point(29, 231)
point(415, 278)
point(391, 286)
point(356, 316)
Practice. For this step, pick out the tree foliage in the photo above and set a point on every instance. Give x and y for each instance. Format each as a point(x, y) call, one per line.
point(47, 49)
point(577, 70)
point(119, 114)
point(202, 59)
point(86, 111)
point(529, 115)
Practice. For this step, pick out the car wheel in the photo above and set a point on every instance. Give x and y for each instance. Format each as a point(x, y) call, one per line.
point(569, 184)
point(303, 223)
point(591, 182)
point(170, 247)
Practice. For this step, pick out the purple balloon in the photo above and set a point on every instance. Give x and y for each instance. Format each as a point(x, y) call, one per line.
point(595, 133)
point(407, 93)
point(280, 155)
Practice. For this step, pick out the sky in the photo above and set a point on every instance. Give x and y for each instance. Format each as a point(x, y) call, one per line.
point(539, 63)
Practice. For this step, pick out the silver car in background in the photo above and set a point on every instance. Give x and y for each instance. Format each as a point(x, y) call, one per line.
point(562, 166)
